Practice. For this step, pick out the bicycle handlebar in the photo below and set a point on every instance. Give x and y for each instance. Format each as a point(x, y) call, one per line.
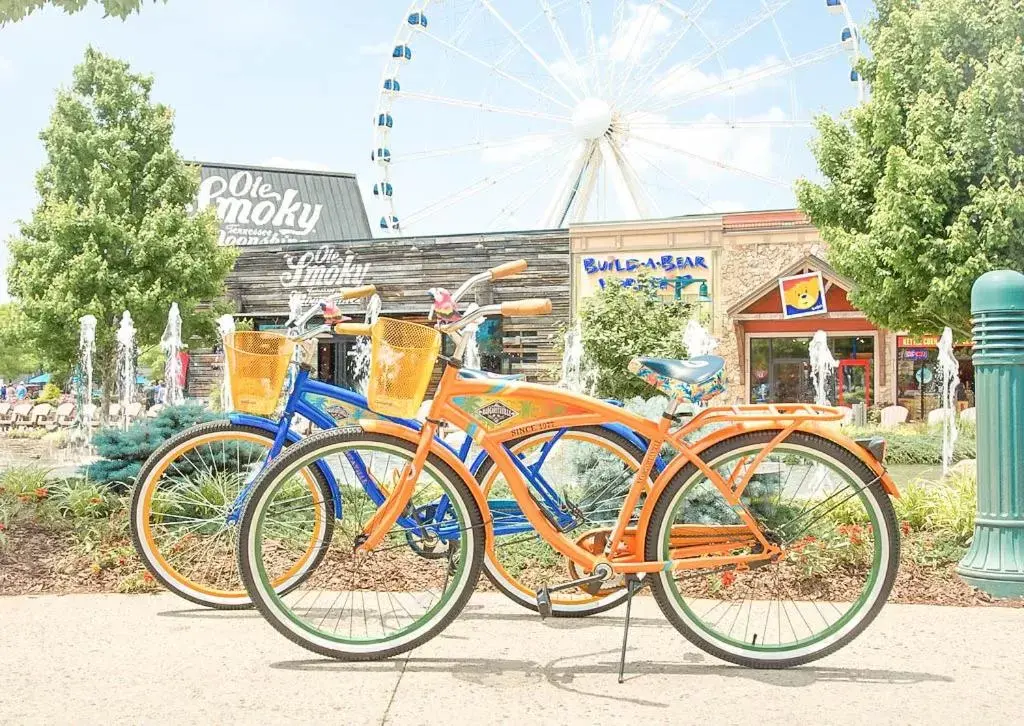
point(526, 308)
point(353, 329)
point(507, 270)
point(354, 293)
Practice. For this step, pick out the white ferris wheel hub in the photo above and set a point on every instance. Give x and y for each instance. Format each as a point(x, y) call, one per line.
point(591, 119)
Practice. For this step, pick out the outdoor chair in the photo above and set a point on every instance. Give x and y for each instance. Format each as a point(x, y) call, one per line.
point(65, 416)
point(847, 415)
point(39, 415)
point(92, 409)
point(6, 415)
point(114, 412)
point(969, 415)
point(20, 415)
point(154, 410)
point(939, 415)
point(135, 410)
point(893, 416)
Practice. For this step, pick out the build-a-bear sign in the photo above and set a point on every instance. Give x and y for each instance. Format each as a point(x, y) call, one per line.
point(668, 270)
point(802, 295)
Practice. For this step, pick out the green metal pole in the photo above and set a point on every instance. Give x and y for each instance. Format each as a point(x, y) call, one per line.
point(995, 561)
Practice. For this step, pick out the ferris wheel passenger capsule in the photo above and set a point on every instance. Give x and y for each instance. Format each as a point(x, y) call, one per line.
point(384, 120)
point(834, 6)
point(389, 223)
point(402, 52)
point(847, 39)
point(854, 76)
point(382, 189)
point(382, 156)
point(419, 19)
point(391, 84)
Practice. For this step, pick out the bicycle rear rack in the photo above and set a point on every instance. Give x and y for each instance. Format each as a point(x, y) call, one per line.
point(781, 412)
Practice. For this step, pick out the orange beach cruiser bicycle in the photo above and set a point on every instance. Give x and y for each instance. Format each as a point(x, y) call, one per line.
point(767, 536)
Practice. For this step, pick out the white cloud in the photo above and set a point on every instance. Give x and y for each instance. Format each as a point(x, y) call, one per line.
point(639, 32)
point(747, 148)
point(684, 80)
point(6, 68)
point(282, 163)
point(518, 149)
point(381, 48)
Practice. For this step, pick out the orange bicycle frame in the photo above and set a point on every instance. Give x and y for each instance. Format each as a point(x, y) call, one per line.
point(496, 412)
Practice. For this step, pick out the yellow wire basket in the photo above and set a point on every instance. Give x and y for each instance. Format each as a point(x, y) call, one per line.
point(403, 358)
point(257, 365)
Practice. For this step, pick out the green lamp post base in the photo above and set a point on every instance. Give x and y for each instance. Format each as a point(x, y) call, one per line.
point(995, 561)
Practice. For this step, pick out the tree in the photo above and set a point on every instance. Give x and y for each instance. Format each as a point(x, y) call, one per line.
point(12, 11)
point(620, 323)
point(112, 231)
point(17, 355)
point(924, 183)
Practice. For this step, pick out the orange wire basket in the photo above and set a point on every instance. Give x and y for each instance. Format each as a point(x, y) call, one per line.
point(403, 358)
point(257, 366)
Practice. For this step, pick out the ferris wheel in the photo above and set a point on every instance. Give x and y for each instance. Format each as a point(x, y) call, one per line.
point(526, 114)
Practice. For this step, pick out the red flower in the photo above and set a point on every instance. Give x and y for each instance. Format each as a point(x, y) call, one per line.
point(96, 500)
point(42, 493)
point(122, 561)
point(728, 578)
point(2, 526)
point(147, 577)
point(905, 528)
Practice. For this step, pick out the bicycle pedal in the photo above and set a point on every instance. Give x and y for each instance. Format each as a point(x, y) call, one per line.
point(544, 603)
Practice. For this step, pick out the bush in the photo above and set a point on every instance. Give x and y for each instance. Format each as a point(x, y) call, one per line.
point(124, 452)
point(919, 444)
point(49, 394)
point(945, 508)
point(621, 323)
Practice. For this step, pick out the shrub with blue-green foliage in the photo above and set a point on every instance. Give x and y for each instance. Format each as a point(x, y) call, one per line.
point(124, 452)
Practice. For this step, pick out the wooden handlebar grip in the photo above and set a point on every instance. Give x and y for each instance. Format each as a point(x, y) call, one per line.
point(526, 308)
point(353, 293)
point(508, 269)
point(352, 329)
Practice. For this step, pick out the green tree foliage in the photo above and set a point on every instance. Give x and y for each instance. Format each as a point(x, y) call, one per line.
point(12, 11)
point(620, 323)
point(17, 354)
point(124, 452)
point(112, 231)
point(924, 183)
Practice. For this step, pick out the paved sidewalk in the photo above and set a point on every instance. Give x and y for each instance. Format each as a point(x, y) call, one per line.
point(104, 659)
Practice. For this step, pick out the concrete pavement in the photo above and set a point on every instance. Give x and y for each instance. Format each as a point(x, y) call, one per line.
point(102, 659)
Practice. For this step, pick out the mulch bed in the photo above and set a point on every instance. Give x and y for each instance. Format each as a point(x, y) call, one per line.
point(39, 559)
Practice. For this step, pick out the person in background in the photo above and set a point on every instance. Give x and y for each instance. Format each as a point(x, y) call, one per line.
point(161, 392)
point(3, 392)
point(21, 393)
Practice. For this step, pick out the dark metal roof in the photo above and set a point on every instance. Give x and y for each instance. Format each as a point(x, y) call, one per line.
point(262, 205)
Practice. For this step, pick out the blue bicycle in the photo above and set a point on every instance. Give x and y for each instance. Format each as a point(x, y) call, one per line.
point(190, 493)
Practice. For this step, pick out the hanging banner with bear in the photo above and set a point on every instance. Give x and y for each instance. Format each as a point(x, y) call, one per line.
point(802, 295)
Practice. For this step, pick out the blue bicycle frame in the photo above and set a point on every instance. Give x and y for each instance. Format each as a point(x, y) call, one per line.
point(508, 519)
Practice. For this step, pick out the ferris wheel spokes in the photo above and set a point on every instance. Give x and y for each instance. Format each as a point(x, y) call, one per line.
point(754, 75)
point(724, 165)
point(490, 108)
point(717, 48)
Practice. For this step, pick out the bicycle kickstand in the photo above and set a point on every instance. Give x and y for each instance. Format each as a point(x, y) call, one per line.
point(633, 585)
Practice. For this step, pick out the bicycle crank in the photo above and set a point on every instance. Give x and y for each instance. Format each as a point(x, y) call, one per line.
point(601, 573)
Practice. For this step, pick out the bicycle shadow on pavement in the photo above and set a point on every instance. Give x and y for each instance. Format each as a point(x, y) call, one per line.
point(563, 672)
point(209, 613)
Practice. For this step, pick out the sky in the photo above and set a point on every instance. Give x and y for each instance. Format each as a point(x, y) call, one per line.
point(297, 84)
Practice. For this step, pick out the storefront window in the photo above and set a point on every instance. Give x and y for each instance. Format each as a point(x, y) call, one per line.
point(780, 370)
point(918, 382)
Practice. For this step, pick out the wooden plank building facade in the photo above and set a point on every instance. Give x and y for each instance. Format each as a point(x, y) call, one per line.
point(404, 269)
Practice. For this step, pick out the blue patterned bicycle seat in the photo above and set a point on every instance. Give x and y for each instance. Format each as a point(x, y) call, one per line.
point(694, 380)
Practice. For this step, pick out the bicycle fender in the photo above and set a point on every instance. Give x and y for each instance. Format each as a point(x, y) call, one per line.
point(293, 436)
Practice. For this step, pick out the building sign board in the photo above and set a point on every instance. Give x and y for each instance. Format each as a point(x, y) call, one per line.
point(802, 295)
point(924, 341)
point(258, 206)
point(668, 269)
